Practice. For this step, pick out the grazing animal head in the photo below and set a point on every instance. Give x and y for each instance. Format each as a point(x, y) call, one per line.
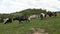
point(42, 15)
point(50, 14)
point(7, 20)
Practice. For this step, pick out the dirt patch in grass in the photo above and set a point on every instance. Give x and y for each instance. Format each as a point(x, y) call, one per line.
point(37, 31)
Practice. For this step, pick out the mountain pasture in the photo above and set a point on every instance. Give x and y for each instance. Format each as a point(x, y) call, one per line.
point(50, 24)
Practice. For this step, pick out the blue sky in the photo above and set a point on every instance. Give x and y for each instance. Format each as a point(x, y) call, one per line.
point(10, 6)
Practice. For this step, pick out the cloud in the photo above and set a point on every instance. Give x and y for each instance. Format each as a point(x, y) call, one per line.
point(9, 6)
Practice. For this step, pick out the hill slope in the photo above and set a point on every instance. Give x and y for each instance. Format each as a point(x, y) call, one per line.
point(50, 24)
point(23, 12)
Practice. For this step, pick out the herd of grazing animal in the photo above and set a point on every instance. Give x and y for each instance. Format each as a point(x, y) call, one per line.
point(28, 18)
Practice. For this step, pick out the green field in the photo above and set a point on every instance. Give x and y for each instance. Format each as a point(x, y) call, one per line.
point(50, 24)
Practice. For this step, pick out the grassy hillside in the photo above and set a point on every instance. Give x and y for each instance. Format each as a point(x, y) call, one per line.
point(29, 12)
point(23, 12)
point(50, 24)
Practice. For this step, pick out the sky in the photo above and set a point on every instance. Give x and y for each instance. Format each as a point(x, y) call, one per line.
point(10, 6)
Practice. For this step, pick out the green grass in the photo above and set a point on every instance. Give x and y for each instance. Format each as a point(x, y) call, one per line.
point(50, 24)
